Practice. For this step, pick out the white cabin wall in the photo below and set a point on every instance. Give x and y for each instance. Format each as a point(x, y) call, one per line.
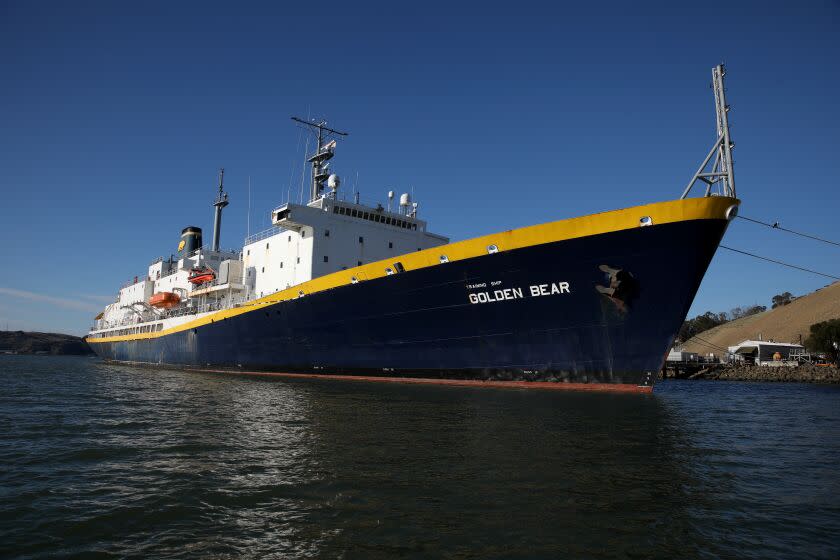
point(169, 283)
point(343, 249)
point(293, 256)
point(278, 262)
point(135, 293)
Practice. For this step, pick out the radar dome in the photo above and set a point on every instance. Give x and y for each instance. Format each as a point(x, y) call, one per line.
point(405, 199)
point(334, 181)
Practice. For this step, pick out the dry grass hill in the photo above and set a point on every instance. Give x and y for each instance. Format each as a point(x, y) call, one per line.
point(783, 324)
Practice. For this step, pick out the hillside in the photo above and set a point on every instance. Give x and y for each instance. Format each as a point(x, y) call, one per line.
point(20, 342)
point(783, 324)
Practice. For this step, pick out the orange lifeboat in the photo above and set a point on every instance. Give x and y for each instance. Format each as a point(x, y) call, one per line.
point(165, 300)
point(201, 275)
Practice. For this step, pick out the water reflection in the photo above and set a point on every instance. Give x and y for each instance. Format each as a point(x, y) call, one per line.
point(138, 462)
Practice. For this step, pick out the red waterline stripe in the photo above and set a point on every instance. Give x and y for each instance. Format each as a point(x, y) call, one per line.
point(545, 385)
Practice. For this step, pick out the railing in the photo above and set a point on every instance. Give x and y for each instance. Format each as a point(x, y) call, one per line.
point(274, 230)
point(134, 320)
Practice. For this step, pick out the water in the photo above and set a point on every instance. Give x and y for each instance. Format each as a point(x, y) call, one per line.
point(113, 461)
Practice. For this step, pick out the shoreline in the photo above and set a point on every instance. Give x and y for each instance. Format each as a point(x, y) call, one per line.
point(806, 373)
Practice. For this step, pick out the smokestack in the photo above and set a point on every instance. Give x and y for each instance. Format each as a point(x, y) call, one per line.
point(190, 240)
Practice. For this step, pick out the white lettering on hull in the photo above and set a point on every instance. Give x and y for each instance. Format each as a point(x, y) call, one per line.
point(555, 288)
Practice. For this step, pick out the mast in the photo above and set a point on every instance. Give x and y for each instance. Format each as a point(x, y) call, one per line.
point(323, 153)
point(221, 202)
point(722, 169)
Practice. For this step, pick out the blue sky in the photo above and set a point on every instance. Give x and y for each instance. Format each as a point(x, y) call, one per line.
point(116, 116)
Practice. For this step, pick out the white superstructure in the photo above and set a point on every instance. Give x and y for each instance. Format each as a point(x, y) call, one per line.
point(306, 241)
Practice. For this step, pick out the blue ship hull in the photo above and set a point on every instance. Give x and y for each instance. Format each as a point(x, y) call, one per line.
point(600, 309)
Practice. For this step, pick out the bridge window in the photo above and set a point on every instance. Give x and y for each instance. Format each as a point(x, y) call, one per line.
point(361, 239)
point(390, 245)
point(326, 233)
point(326, 258)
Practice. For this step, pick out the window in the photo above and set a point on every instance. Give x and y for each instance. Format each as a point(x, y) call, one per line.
point(399, 267)
point(263, 269)
point(326, 258)
point(390, 245)
point(361, 239)
point(359, 263)
point(248, 252)
point(353, 213)
point(335, 209)
point(366, 216)
point(290, 239)
point(302, 233)
point(298, 260)
point(444, 259)
point(281, 264)
point(266, 245)
point(326, 233)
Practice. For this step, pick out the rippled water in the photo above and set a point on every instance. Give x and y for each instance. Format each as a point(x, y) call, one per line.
point(128, 462)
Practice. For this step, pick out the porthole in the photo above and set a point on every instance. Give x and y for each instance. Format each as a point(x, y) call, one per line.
point(389, 271)
point(492, 249)
point(354, 280)
point(645, 221)
point(444, 259)
point(301, 294)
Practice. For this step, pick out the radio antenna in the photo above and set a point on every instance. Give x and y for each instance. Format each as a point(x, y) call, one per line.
point(323, 153)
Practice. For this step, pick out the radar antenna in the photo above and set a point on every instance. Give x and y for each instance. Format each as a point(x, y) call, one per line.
point(721, 171)
point(323, 153)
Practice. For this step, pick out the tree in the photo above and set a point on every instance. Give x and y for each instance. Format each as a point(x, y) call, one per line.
point(825, 337)
point(739, 312)
point(755, 310)
point(782, 299)
point(701, 323)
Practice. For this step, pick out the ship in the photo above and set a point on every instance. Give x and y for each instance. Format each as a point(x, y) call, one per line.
point(341, 288)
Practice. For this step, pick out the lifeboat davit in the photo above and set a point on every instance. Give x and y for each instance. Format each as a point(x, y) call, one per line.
point(201, 275)
point(165, 300)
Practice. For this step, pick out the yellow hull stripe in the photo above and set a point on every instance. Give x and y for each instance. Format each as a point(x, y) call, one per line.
point(711, 208)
